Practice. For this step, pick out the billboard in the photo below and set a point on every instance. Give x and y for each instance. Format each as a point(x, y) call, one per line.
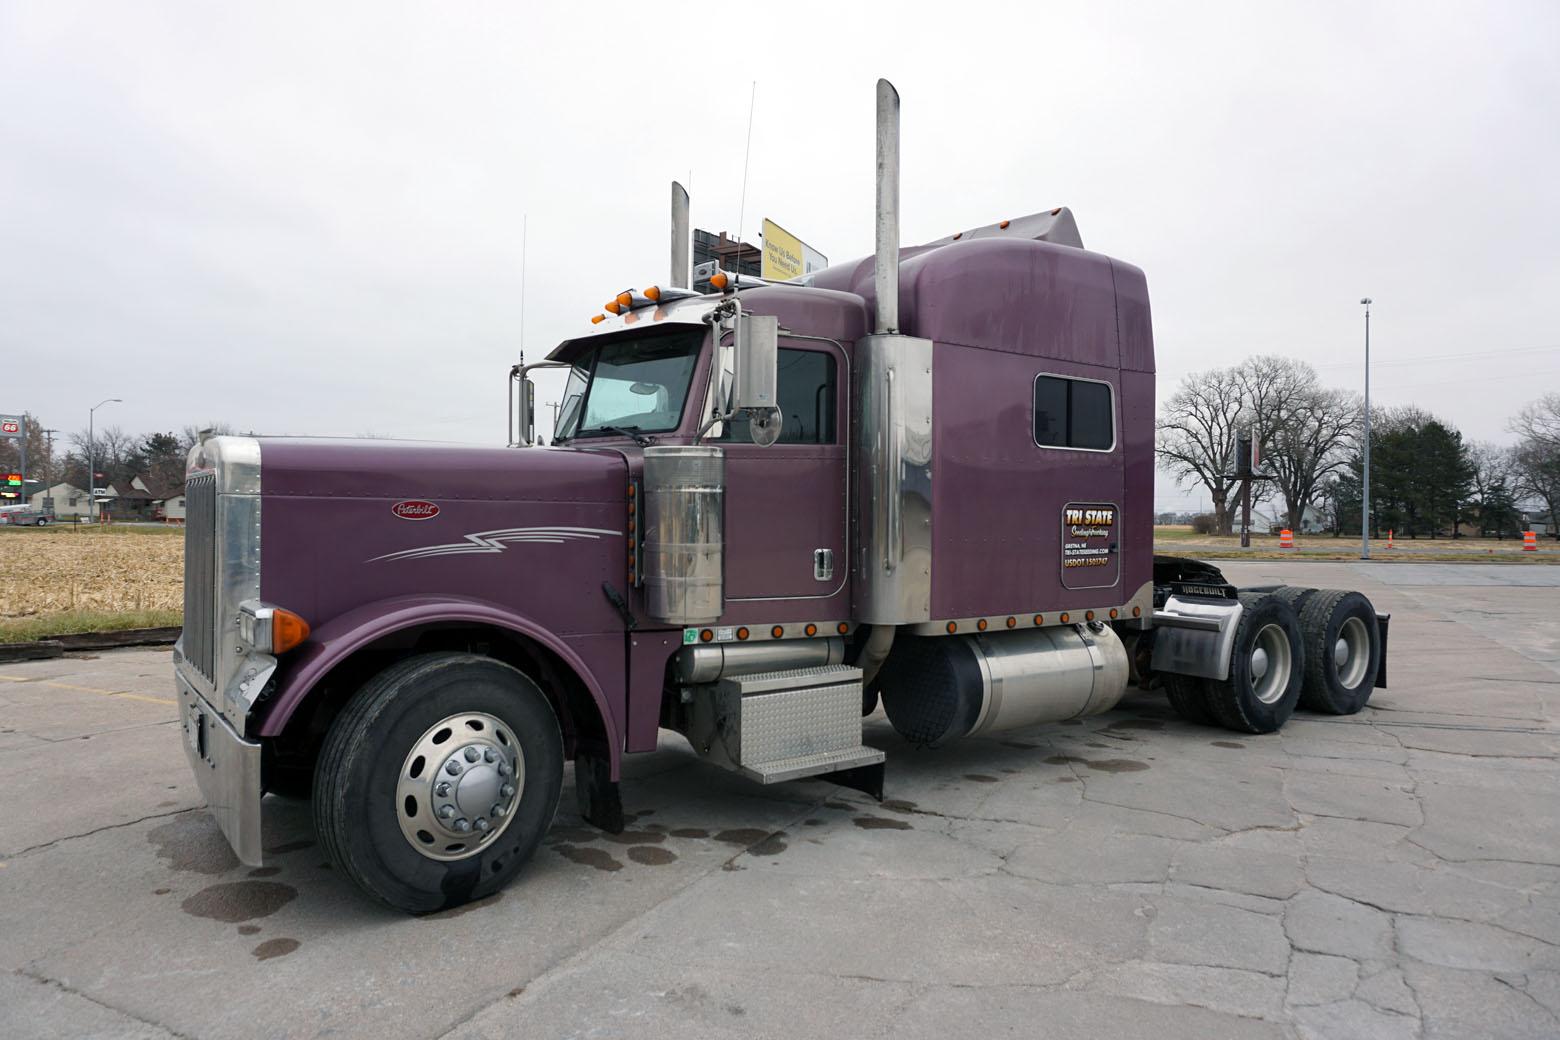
point(786, 256)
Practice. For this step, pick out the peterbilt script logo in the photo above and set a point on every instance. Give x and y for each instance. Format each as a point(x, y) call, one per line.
point(415, 509)
point(498, 541)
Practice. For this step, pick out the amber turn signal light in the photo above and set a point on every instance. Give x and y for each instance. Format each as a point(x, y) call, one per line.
point(287, 630)
point(719, 280)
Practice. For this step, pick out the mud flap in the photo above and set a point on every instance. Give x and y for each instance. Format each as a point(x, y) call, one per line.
point(1381, 668)
point(600, 797)
point(866, 779)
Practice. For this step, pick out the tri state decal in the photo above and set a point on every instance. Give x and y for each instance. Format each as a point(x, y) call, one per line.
point(1090, 559)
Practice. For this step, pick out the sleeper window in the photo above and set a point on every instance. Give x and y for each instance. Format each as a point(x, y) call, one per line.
point(1073, 413)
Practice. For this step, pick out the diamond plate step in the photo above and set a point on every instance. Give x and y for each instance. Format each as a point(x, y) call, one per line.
point(811, 765)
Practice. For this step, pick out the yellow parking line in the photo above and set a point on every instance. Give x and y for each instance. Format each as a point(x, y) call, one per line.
point(126, 694)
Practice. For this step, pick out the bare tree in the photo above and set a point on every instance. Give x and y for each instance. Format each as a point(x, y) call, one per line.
point(1538, 424)
point(1304, 428)
point(1537, 455)
point(1494, 487)
point(1196, 436)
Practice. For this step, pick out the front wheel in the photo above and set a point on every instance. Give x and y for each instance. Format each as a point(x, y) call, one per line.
point(438, 780)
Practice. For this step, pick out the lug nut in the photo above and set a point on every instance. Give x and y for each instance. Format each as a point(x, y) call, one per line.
point(489, 756)
point(452, 767)
point(498, 810)
point(503, 769)
point(481, 824)
point(472, 754)
point(442, 789)
point(446, 811)
point(508, 790)
point(463, 825)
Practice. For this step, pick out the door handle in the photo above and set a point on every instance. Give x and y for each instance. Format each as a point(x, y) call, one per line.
point(823, 564)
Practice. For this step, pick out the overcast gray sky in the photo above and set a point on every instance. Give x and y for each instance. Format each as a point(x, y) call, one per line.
point(306, 218)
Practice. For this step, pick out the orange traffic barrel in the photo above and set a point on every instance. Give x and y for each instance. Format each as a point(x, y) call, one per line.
point(1286, 539)
point(1529, 541)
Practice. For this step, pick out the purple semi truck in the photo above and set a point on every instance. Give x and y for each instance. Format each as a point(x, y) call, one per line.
point(923, 479)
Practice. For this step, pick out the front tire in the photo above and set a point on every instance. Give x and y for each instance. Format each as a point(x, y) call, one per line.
point(1266, 668)
point(438, 780)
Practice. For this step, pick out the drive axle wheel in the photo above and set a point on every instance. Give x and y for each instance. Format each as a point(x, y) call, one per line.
point(1342, 651)
point(438, 780)
point(1266, 666)
point(1189, 698)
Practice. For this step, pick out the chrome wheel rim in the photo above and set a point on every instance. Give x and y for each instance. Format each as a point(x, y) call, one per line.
point(1351, 653)
point(1270, 664)
point(459, 786)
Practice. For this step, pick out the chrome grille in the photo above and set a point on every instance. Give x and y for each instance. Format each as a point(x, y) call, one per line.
point(200, 573)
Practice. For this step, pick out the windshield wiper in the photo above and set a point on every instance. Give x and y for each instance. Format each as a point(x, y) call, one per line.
point(632, 432)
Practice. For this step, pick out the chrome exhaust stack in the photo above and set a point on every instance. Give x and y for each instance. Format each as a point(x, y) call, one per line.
point(885, 261)
point(894, 457)
point(681, 236)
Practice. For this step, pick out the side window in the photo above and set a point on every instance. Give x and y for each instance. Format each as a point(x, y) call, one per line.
point(807, 391)
point(1074, 413)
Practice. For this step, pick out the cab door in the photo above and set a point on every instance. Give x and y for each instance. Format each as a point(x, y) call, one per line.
point(786, 522)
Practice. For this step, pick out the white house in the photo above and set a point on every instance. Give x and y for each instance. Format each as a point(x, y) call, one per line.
point(64, 500)
point(1272, 516)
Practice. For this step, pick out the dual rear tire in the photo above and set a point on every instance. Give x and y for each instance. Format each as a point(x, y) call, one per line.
point(1313, 648)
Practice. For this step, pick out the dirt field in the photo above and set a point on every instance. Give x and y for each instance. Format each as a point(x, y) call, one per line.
point(59, 571)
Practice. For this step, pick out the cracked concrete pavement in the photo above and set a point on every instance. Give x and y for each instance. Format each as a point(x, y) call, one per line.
point(1394, 874)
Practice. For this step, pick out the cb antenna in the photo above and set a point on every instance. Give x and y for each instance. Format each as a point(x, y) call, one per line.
point(747, 152)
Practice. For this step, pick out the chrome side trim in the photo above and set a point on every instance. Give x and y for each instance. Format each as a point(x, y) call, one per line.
point(227, 769)
point(894, 561)
point(1142, 601)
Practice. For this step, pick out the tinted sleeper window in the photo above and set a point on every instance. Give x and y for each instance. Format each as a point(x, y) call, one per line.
point(1073, 413)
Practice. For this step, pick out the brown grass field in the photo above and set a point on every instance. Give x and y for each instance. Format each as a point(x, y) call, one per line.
point(55, 579)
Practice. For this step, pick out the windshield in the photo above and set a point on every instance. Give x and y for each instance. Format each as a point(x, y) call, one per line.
point(634, 384)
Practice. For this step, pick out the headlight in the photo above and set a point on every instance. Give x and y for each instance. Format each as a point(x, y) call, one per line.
point(270, 629)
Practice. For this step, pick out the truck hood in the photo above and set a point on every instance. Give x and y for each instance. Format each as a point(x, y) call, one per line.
point(348, 523)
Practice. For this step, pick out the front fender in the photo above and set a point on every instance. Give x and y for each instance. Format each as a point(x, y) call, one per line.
point(337, 639)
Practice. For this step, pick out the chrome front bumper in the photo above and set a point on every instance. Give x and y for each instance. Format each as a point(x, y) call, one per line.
point(227, 768)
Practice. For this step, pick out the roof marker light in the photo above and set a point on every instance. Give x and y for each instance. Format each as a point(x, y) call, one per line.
point(653, 293)
point(598, 319)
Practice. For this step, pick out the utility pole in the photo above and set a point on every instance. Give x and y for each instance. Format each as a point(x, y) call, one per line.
point(1365, 482)
point(92, 511)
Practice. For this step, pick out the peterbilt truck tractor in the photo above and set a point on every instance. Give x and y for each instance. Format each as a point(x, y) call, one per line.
point(921, 480)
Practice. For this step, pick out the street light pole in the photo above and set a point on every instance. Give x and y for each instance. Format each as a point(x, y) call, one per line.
point(92, 454)
point(1365, 482)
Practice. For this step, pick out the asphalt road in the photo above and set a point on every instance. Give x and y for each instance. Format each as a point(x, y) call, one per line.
point(1395, 874)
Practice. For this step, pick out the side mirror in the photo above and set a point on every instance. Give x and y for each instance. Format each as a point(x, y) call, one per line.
point(527, 412)
point(757, 361)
